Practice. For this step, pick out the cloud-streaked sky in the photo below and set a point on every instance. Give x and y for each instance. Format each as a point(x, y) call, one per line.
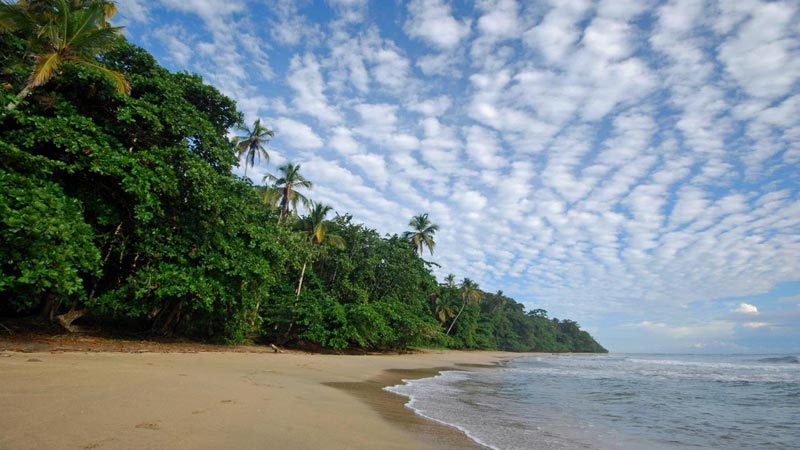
point(629, 164)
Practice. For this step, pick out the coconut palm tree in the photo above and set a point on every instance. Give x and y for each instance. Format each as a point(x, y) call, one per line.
point(469, 294)
point(252, 144)
point(271, 196)
point(61, 33)
point(421, 234)
point(315, 227)
point(289, 182)
point(443, 308)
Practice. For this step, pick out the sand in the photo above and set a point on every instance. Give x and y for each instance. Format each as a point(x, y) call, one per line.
point(219, 400)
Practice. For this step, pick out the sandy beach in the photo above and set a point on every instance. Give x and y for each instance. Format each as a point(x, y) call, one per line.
point(219, 400)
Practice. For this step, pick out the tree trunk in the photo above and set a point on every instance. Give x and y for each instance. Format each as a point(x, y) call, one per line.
point(287, 192)
point(66, 319)
point(454, 320)
point(171, 312)
point(296, 298)
point(300, 283)
point(23, 93)
point(47, 307)
point(253, 315)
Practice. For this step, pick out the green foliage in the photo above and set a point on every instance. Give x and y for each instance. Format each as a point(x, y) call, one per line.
point(46, 248)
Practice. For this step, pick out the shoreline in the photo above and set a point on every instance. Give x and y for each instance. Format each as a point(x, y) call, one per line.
point(202, 400)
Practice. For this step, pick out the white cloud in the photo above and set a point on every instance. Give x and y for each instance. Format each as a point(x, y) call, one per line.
point(290, 28)
point(296, 134)
point(306, 79)
point(434, 107)
point(134, 10)
point(350, 10)
point(558, 32)
point(433, 22)
point(763, 56)
point(707, 330)
point(746, 308)
point(499, 19)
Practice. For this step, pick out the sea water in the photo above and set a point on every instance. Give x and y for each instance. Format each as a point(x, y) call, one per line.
point(610, 402)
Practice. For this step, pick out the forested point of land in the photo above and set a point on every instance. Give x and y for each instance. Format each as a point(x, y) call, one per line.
point(118, 207)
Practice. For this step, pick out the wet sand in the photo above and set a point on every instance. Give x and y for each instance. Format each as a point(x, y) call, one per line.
point(220, 400)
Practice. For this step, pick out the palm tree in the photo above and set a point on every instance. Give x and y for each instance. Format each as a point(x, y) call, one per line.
point(421, 234)
point(450, 281)
point(252, 143)
point(60, 33)
point(469, 294)
point(271, 196)
point(443, 308)
point(498, 301)
point(315, 227)
point(288, 182)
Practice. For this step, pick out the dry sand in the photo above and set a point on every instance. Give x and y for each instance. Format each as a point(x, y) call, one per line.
point(219, 401)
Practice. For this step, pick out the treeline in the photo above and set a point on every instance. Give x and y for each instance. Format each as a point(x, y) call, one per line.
point(118, 205)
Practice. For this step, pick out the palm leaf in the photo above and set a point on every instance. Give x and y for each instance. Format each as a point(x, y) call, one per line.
point(46, 66)
point(121, 84)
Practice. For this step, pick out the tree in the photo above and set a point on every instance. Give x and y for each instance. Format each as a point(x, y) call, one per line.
point(421, 234)
point(316, 228)
point(288, 182)
point(60, 33)
point(443, 308)
point(469, 294)
point(252, 144)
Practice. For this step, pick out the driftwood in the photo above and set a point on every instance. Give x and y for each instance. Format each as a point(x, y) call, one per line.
point(8, 330)
point(275, 348)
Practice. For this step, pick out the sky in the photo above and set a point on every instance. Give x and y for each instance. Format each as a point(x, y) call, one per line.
point(628, 164)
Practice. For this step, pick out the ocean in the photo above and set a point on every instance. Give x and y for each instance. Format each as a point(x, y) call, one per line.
point(612, 402)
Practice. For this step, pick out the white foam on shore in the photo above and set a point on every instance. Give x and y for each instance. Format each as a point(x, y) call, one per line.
point(441, 384)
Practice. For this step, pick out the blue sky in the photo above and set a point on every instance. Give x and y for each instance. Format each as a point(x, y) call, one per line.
point(629, 164)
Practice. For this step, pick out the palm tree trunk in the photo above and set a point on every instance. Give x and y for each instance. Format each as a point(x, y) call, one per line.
point(22, 94)
point(296, 298)
point(287, 193)
point(300, 284)
point(454, 320)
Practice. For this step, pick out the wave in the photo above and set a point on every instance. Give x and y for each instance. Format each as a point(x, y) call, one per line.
point(780, 360)
point(415, 390)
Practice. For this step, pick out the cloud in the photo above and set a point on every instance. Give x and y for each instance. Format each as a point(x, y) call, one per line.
point(291, 28)
point(350, 10)
point(296, 134)
point(433, 22)
point(746, 308)
point(305, 78)
point(707, 330)
point(762, 56)
point(133, 10)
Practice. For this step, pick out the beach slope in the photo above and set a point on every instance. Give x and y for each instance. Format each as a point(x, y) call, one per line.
point(218, 400)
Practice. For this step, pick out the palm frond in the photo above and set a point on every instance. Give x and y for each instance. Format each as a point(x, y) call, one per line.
point(121, 84)
point(46, 66)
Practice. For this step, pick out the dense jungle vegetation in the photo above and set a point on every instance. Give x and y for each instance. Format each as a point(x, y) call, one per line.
point(118, 206)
